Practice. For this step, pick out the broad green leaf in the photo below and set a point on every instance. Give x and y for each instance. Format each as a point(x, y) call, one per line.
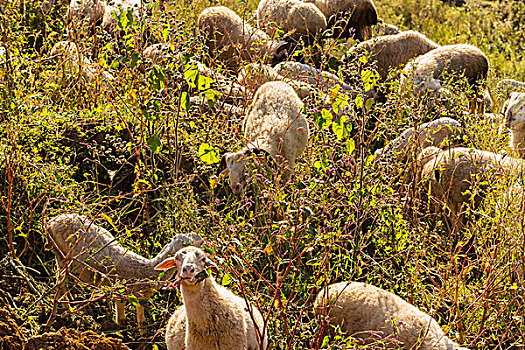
point(208, 154)
point(155, 144)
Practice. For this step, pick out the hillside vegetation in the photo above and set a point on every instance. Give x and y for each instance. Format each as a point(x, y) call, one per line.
point(140, 158)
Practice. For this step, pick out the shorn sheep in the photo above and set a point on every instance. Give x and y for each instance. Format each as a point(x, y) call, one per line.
point(233, 41)
point(367, 312)
point(296, 17)
point(393, 51)
point(93, 254)
point(442, 132)
point(211, 317)
point(506, 86)
point(514, 118)
point(445, 61)
point(274, 124)
point(458, 176)
point(357, 17)
point(115, 7)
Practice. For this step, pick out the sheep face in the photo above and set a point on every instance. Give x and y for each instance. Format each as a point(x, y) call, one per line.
point(235, 165)
point(191, 263)
point(514, 111)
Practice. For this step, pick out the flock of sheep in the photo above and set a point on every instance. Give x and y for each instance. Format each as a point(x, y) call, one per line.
point(276, 132)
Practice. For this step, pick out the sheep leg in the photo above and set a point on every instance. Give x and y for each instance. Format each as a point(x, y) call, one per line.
point(141, 319)
point(120, 315)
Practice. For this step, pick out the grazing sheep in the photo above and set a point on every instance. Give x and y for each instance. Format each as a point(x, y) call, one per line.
point(506, 86)
point(274, 124)
point(230, 91)
point(359, 15)
point(442, 132)
point(93, 254)
point(383, 28)
point(115, 8)
point(233, 40)
point(393, 51)
point(91, 10)
point(360, 309)
point(302, 77)
point(212, 316)
point(302, 72)
point(293, 16)
point(68, 55)
point(514, 118)
point(452, 60)
point(457, 176)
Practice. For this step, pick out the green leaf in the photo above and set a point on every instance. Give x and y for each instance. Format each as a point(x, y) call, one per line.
point(133, 300)
point(350, 146)
point(359, 101)
point(155, 144)
point(341, 128)
point(211, 96)
point(368, 104)
point(208, 154)
point(370, 78)
point(226, 280)
point(203, 82)
point(323, 119)
point(134, 59)
point(190, 73)
point(185, 101)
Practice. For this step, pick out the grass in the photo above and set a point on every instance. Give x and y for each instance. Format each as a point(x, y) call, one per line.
point(128, 156)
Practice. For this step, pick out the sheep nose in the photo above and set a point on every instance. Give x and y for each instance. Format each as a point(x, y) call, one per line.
point(188, 271)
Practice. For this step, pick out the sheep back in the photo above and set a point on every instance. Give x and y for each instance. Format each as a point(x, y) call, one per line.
point(225, 31)
point(456, 60)
point(275, 122)
point(394, 51)
point(92, 10)
point(176, 330)
point(363, 15)
point(304, 19)
point(360, 309)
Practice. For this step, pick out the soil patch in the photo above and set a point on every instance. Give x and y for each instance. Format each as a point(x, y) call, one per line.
point(10, 336)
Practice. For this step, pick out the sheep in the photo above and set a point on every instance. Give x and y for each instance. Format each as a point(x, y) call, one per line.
point(67, 54)
point(360, 308)
point(452, 176)
point(274, 124)
point(514, 118)
point(296, 17)
point(91, 10)
point(233, 40)
point(506, 86)
point(302, 77)
point(360, 15)
point(456, 60)
point(383, 28)
point(393, 51)
point(211, 316)
point(230, 91)
point(115, 7)
point(442, 132)
point(93, 254)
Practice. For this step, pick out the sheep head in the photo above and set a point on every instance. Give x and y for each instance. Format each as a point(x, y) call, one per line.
point(191, 263)
point(514, 111)
point(235, 166)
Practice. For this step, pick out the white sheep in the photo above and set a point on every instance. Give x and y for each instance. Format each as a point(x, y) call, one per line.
point(393, 51)
point(293, 16)
point(274, 124)
point(91, 10)
point(506, 86)
point(356, 15)
point(514, 118)
point(367, 312)
point(115, 7)
point(442, 132)
point(232, 40)
point(69, 57)
point(451, 60)
point(458, 176)
point(304, 79)
point(211, 317)
point(94, 255)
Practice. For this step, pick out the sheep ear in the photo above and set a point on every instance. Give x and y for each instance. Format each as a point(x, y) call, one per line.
point(281, 51)
point(222, 166)
point(166, 264)
point(210, 264)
